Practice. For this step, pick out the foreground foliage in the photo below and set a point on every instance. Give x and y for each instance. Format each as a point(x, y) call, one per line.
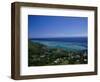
point(41, 55)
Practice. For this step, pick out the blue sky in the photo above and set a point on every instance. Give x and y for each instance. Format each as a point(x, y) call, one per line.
point(56, 26)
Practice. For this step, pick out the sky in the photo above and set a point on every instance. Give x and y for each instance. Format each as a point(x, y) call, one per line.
point(56, 26)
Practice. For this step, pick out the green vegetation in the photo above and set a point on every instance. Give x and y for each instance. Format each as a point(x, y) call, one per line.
point(41, 55)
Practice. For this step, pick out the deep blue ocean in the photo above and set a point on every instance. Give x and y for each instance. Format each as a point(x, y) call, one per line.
point(73, 43)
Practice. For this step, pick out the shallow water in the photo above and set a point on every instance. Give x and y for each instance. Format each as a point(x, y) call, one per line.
point(66, 43)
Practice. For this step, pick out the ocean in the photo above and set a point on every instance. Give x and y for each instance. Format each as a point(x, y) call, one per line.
point(72, 43)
